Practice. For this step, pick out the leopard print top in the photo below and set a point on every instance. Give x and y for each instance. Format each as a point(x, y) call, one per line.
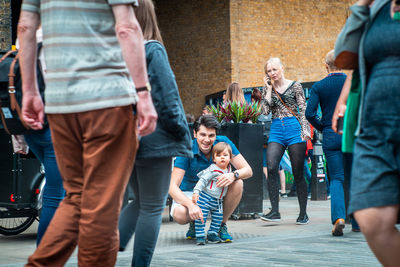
point(294, 99)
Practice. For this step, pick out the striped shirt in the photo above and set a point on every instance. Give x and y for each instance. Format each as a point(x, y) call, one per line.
point(85, 67)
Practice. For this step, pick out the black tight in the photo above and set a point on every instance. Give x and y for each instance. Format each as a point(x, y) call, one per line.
point(297, 155)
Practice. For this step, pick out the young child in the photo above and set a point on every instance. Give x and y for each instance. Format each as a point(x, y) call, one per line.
point(208, 196)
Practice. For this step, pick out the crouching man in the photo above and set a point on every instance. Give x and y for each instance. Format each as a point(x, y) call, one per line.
point(184, 177)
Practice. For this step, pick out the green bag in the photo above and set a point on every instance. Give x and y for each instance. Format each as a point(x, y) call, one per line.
point(351, 115)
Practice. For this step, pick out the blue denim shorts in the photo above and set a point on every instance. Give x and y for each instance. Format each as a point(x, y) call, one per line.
point(285, 131)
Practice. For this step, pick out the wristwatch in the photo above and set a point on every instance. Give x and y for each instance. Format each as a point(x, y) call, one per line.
point(144, 88)
point(236, 174)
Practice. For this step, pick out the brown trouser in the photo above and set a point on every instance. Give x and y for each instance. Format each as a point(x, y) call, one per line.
point(95, 152)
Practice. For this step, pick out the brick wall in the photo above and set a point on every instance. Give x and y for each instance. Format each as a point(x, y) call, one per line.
point(212, 43)
point(5, 25)
point(299, 32)
point(197, 39)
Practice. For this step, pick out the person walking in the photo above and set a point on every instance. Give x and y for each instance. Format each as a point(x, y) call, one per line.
point(370, 42)
point(325, 93)
point(152, 171)
point(289, 129)
point(89, 104)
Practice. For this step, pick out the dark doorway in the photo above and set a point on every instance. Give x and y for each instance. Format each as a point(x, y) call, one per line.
point(15, 10)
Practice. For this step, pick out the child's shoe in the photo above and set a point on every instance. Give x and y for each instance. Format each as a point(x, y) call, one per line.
point(213, 238)
point(201, 240)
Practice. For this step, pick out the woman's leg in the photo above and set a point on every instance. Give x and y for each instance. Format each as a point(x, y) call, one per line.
point(282, 178)
point(143, 216)
point(297, 154)
point(53, 192)
point(274, 155)
point(379, 229)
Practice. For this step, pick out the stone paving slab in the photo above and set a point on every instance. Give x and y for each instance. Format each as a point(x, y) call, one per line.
point(256, 243)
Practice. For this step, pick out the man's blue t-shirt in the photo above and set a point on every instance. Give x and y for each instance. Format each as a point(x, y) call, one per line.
point(199, 162)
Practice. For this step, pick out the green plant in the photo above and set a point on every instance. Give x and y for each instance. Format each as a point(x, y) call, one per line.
point(237, 112)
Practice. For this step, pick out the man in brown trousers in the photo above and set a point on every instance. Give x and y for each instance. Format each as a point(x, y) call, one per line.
point(92, 49)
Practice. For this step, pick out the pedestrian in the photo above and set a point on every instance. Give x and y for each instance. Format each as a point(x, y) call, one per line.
point(372, 34)
point(91, 50)
point(325, 94)
point(234, 93)
point(289, 129)
point(41, 145)
point(152, 171)
point(184, 177)
point(209, 197)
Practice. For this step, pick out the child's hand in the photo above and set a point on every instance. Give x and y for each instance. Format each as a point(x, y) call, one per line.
point(195, 198)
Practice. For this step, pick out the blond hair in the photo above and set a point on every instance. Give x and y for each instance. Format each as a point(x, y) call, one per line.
point(274, 61)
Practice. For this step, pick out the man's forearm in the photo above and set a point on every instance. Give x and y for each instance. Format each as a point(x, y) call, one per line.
point(27, 26)
point(131, 41)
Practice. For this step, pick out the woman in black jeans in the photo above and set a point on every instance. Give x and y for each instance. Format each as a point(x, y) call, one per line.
point(152, 171)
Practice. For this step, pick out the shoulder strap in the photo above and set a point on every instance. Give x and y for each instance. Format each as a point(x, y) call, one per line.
point(280, 99)
point(11, 91)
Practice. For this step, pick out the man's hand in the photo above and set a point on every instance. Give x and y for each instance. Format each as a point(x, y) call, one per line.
point(32, 110)
point(195, 213)
point(195, 198)
point(225, 179)
point(146, 113)
point(339, 112)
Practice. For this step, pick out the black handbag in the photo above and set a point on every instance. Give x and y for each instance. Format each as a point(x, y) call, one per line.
point(11, 93)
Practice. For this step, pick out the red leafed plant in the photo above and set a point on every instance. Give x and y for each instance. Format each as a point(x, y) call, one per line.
point(237, 112)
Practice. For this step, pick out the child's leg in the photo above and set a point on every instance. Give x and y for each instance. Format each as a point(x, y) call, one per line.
point(216, 217)
point(205, 208)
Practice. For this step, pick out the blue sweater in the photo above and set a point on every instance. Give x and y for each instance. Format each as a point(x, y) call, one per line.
point(325, 93)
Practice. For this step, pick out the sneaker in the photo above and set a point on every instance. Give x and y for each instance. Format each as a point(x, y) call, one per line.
point(338, 227)
point(213, 238)
point(301, 220)
point(292, 194)
point(201, 240)
point(272, 216)
point(309, 196)
point(191, 233)
point(356, 230)
point(284, 195)
point(224, 235)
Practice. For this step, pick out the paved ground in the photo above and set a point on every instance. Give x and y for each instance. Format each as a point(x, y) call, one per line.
point(256, 243)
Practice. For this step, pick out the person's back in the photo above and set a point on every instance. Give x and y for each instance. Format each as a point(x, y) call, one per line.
point(85, 67)
point(328, 90)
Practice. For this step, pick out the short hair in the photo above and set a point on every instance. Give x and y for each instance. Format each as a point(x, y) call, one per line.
point(256, 95)
point(208, 121)
point(273, 60)
point(220, 147)
point(330, 60)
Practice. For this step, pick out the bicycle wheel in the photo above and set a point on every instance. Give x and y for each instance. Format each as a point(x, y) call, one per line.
point(14, 226)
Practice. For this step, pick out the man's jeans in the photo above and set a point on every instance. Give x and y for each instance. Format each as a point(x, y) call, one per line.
point(331, 145)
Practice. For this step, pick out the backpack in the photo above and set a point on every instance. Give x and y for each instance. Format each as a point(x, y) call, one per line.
point(11, 92)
